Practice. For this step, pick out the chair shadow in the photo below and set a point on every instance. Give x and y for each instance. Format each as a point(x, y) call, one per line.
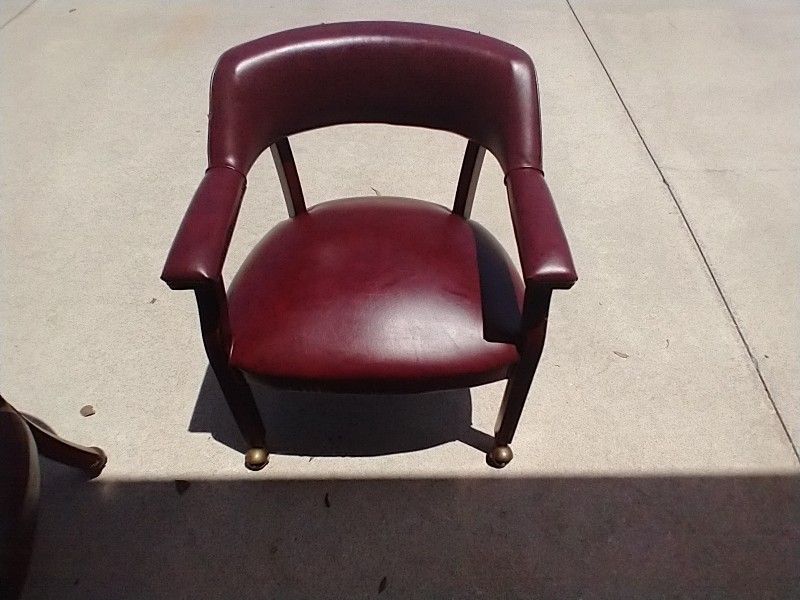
point(480, 537)
point(323, 424)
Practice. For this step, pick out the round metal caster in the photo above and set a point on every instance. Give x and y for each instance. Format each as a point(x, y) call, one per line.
point(256, 459)
point(98, 466)
point(499, 457)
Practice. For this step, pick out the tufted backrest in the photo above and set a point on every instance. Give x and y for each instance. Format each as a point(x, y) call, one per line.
point(374, 72)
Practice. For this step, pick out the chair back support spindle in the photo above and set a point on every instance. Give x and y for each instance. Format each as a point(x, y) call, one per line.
point(468, 179)
point(287, 174)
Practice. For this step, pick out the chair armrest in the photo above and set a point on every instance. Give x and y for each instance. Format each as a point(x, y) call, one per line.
point(199, 249)
point(543, 249)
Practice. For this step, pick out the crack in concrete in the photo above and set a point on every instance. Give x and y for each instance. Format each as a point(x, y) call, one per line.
point(693, 236)
point(730, 170)
point(19, 14)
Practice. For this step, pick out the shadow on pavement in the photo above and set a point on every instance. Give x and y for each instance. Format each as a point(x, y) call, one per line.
point(321, 424)
point(493, 537)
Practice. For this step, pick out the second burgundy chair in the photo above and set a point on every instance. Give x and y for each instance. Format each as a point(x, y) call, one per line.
point(390, 295)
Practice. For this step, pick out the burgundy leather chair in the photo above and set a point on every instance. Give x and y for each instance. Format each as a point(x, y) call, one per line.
point(374, 294)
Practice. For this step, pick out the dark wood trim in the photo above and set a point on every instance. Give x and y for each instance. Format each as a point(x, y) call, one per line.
point(468, 179)
point(91, 460)
point(212, 304)
point(21, 442)
point(287, 174)
point(534, 322)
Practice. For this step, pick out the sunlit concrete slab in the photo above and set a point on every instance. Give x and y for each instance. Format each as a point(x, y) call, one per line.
point(713, 88)
point(644, 377)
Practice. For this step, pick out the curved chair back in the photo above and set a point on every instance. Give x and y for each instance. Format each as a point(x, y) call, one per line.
point(374, 72)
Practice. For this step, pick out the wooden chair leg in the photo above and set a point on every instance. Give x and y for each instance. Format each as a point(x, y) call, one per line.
point(90, 460)
point(243, 406)
point(520, 379)
point(21, 440)
point(212, 304)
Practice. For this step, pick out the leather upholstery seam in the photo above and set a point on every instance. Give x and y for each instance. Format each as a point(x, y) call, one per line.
point(505, 177)
point(234, 169)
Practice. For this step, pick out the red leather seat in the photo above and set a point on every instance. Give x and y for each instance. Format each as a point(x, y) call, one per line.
point(379, 293)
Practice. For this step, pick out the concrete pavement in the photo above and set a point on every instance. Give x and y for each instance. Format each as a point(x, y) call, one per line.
point(668, 473)
point(713, 91)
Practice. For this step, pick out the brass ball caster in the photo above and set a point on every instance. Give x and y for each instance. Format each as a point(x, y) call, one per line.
point(499, 457)
point(256, 459)
point(99, 464)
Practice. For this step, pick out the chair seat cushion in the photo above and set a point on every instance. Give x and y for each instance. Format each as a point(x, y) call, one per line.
point(376, 294)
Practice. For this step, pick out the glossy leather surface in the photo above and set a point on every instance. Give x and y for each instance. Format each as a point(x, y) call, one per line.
point(377, 294)
point(374, 72)
point(385, 292)
point(543, 249)
point(310, 77)
point(201, 244)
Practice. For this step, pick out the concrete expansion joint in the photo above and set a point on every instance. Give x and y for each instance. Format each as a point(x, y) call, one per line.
point(19, 14)
point(693, 235)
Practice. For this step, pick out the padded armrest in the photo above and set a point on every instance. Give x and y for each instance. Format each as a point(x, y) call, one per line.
point(543, 248)
point(202, 241)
